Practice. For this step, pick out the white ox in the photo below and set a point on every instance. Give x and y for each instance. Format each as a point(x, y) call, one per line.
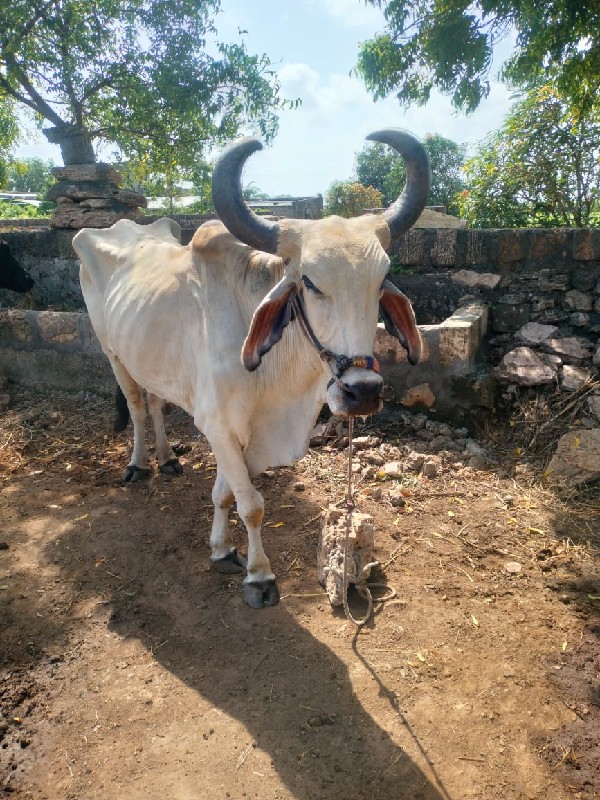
point(173, 320)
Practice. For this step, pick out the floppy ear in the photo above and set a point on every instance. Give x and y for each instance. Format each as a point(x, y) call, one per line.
point(399, 319)
point(268, 323)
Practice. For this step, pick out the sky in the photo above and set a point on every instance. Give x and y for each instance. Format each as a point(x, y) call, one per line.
point(313, 46)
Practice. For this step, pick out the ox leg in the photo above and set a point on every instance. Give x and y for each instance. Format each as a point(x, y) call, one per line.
point(223, 555)
point(167, 460)
point(259, 584)
point(137, 468)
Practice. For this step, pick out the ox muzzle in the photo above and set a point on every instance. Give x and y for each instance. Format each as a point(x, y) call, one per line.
point(355, 388)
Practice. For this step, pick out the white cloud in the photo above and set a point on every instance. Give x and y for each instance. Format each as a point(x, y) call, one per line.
point(351, 13)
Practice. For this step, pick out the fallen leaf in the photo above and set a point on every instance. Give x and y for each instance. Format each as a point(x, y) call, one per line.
point(564, 646)
point(475, 621)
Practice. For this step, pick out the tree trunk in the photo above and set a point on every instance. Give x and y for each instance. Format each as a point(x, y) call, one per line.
point(74, 142)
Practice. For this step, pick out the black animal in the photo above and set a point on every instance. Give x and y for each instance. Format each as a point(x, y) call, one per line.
point(12, 274)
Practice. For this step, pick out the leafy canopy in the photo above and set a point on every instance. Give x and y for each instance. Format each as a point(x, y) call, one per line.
point(29, 175)
point(383, 168)
point(449, 44)
point(351, 199)
point(148, 77)
point(542, 168)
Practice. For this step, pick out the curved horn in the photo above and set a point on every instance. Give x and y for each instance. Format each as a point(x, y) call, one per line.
point(229, 202)
point(407, 208)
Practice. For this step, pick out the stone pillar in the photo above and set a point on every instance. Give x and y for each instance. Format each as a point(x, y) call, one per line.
point(88, 196)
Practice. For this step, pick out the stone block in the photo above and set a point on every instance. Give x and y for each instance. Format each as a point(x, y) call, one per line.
point(577, 457)
point(509, 317)
point(534, 333)
point(59, 327)
point(585, 276)
point(512, 247)
point(421, 395)
point(524, 367)
point(574, 300)
point(409, 250)
point(443, 253)
point(15, 325)
point(573, 378)
point(88, 172)
point(476, 280)
point(586, 244)
point(548, 243)
point(76, 217)
point(579, 319)
point(571, 349)
point(461, 334)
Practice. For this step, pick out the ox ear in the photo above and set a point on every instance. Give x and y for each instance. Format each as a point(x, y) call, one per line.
point(399, 319)
point(268, 323)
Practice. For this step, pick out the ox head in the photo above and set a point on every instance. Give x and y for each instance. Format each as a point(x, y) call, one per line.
point(335, 282)
point(12, 274)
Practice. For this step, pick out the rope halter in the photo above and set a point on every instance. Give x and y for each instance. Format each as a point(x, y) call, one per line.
point(338, 364)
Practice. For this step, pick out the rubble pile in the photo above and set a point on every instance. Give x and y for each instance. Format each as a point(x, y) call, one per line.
point(89, 196)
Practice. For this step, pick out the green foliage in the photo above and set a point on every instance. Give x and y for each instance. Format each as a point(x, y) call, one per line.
point(253, 192)
point(31, 175)
point(351, 199)
point(383, 168)
point(540, 169)
point(148, 77)
point(9, 133)
point(448, 45)
point(10, 210)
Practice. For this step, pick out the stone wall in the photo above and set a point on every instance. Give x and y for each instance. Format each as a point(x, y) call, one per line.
point(47, 349)
point(58, 350)
point(541, 287)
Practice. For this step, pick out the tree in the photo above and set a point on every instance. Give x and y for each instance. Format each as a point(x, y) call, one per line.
point(9, 133)
point(146, 76)
point(449, 44)
point(29, 175)
point(382, 168)
point(542, 168)
point(253, 192)
point(351, 199)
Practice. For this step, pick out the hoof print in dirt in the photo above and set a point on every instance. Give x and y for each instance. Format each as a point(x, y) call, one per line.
point(171, 467)
point(134, 474)
point(261, 593)
point(230, 564)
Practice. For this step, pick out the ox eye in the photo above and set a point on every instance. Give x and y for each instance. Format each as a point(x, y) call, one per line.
point(310, 285)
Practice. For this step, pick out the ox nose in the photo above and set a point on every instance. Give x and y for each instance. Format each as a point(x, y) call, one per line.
point(362, 397)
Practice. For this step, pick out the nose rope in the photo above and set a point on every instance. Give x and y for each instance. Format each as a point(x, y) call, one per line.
point(338, 364)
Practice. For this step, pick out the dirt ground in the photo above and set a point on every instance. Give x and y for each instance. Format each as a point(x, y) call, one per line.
point(132, 670)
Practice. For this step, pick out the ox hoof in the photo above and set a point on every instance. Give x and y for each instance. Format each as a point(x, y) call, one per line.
point(171, 467)
point(232, 563)
point(261, 593)
point(134, 474)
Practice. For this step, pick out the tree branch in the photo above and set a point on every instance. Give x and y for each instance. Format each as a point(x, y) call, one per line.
point(37, 102)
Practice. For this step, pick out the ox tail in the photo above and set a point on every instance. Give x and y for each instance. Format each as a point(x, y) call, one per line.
point(122, 417)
